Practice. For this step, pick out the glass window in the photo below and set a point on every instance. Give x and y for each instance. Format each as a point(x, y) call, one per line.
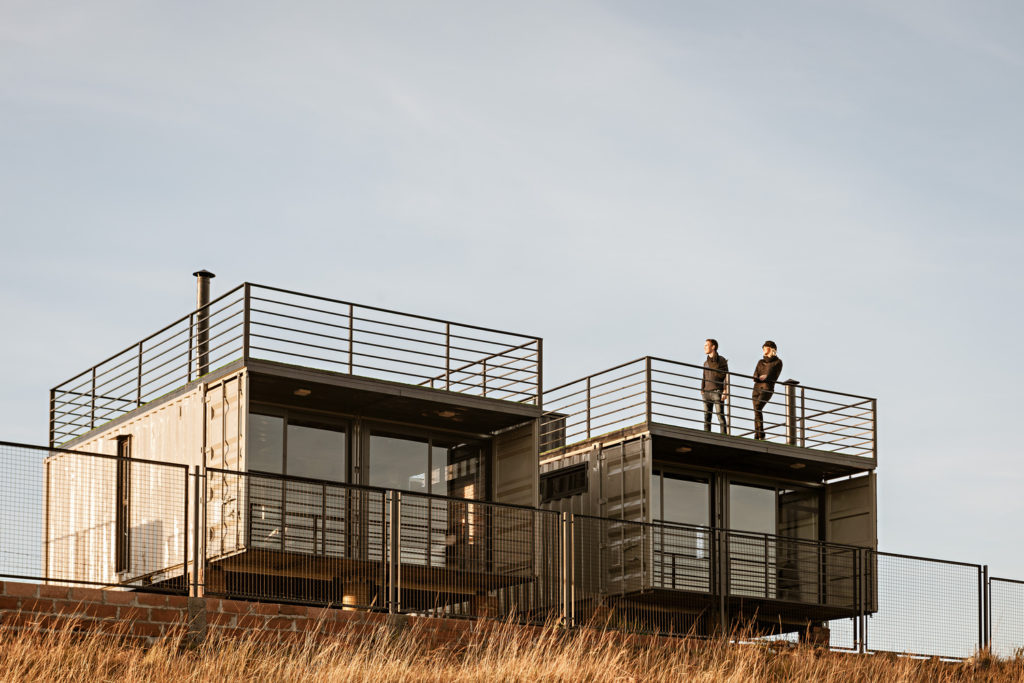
point(456, 470)
point(266, 443)
point(798, 513)
point(398, 462)
point(751, 508)
point(686, 500)
point(316, 451)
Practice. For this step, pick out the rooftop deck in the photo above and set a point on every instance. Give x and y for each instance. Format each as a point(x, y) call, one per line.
point(651, 392)
point(257, 322)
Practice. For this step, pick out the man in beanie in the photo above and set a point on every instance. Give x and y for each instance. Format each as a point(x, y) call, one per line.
point(713, 388)
point(765, 375)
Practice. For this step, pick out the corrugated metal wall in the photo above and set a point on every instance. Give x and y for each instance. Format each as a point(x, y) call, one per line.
point(515, 465)
point(204, 426)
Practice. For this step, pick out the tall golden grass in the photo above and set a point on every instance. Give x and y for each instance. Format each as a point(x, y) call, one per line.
point(501, 653)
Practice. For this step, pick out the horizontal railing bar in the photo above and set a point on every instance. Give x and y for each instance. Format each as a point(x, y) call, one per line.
point(161, 330)
point(384, 310)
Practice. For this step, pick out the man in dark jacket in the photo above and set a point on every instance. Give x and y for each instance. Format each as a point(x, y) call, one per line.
point(765, 375)
point(715, 387)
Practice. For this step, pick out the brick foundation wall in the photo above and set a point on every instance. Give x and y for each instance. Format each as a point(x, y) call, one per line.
point(148, 616)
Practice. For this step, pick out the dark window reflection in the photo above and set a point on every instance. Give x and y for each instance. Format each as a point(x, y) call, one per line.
point(266, 443)
point(751, 508)
point(398, 462)
point(316, 451)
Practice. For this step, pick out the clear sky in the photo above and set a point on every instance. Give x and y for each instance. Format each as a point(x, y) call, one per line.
point(621, 178)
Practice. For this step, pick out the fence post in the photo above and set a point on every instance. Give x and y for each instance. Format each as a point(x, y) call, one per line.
point(722, 571)
point(185, 540)
point(866, 566)
point(567, 569)
point(198, 533)
point(982, 604)
point(394, 552)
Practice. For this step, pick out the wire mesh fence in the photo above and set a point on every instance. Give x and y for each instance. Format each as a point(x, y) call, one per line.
point(470, 558)
point(76, 518)
point(271, 537)
point(925, 607)
point(1006, 617)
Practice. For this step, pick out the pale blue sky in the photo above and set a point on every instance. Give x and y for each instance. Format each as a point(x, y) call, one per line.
point(619, 178)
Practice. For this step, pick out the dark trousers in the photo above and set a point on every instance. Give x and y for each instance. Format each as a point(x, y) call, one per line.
point(713, 400)
point(761, 398)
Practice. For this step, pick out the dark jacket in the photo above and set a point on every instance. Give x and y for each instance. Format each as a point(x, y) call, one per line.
point(767, 366)
point(714, 373)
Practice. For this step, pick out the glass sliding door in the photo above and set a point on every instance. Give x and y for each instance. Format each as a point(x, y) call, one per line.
point(752, 555)
point(681, 554)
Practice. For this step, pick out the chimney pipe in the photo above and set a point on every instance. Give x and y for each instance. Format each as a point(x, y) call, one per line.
point(202, 332)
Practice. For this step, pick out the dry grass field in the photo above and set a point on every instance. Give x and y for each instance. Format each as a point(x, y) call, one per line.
point(502, 654)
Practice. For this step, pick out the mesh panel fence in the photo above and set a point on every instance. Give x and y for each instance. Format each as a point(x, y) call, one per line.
point(469, 558)
point(1006, 614)
point(923, 607)
point(87, 519)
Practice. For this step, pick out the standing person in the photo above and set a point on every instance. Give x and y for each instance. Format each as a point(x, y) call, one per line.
point(765, 375)
point(714, 389)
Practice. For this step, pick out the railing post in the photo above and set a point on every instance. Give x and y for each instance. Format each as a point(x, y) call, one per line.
point(791, 412)
point(447, 356)
point(53, 416)
point(351, 336)
point(394, 552)
point(647, 388)
point(246, 316)
point(138, 380)
point(540, 372)
point(588, 407)
point(188, 353)
point(92, 399)
point(485, 378)
point(728, 403)
point(803, 418)
point(874, 428)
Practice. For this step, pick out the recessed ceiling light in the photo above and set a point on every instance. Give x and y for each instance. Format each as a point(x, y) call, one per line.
point(798, 466)
point(303, 392)
point(447, 414)
point(683, 449)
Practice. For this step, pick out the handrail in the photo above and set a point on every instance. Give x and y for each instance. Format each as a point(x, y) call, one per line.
point(805, 416)
point(289, 327)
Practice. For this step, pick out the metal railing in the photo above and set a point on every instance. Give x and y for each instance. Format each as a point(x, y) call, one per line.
point(266, 323)
point(656, 390)
point(73, 518)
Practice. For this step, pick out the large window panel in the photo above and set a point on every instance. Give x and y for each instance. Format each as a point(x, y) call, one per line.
point(316, 451)
point(266, 443)
point(398, 462)
point(685, 500)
